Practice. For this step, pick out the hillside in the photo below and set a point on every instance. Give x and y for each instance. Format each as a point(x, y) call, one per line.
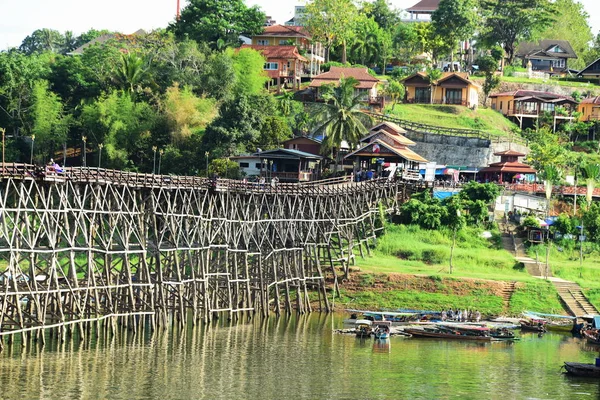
point(457, 117)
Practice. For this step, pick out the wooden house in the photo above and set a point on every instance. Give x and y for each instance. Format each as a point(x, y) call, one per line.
point(589, 109)
point(452, 88)
point(550, 56)
point(367, 84)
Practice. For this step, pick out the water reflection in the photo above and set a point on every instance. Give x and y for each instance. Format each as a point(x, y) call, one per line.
point(292, 357)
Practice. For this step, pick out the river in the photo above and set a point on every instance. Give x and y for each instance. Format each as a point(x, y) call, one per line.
point(293, 358)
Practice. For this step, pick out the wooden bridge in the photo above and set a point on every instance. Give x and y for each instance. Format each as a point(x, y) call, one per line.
point(86, 244)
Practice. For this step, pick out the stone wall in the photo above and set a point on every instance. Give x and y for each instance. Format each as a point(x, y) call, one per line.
point(462, 151)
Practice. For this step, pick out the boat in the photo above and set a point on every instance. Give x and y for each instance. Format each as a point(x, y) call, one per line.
point(503, 334)
point(591, 336)
point(381, 329)
point(441, 333)
point(397, 318)
point(554, 322)
point(363, 328)
point(583, 370)
point(533, 325)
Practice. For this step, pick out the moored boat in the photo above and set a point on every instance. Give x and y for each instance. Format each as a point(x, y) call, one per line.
point(553, 322)
point(583, 370)
point(533, 325)
point(447, 334)
point(363, 328)
point(591, 336)
point(382, 329)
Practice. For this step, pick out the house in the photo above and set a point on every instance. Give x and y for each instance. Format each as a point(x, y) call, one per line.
point(452, 88)
point(423, 10)
point(385, 146)
point(279, 35)
point(284, 65)
point(549, 56)
point(508, 169)
point(526, 106)
point(592, 71)
point(367, 84)
point(287, 165)
point(102, 39)
point(304, 143)
point(589, 109)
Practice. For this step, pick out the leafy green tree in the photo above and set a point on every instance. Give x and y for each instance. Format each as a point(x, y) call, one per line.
point(331, 22)
point(72, 81)
point(591, 221)
point(248, 65)
point(551, 174)
point(18, 73)
point(42, 40)
point(383, 13)
point(224, 168)
point(239, 125)
point(341, 117)
point(49, 124)
point(100, 62)
point(571, 23)
point(274, 131)
point(366, 42)
point(508, 22)
point(285, 102)
point(433, 74)
point(396, 91)
point(122, 125)
point(454, 21)
point(488, 65)
point(456, 221)
point(217, 22)
point(131, 73)
point(406, 40)
point(475, 191)
point(547, 148)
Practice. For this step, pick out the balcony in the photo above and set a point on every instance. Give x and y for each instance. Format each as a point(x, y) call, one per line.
point(564, 114)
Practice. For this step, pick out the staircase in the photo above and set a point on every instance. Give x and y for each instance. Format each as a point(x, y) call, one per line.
point(507, 292)
point(573, 298)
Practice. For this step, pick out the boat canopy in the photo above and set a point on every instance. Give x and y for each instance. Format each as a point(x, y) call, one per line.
point(381, 313)
point(542, 315)
point(363, 322)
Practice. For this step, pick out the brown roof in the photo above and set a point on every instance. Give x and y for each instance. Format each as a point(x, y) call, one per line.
point(543, 47)
point(285, 30)
point(401, 151)
point(425, 5)
point(395, 127)
point(533, 93)
point(591, 100)
point(463, 76)
point(396, 137)
point(509, 167)
point(365, 81)
point(509, 153)
point(271, 52)
point(119, 37)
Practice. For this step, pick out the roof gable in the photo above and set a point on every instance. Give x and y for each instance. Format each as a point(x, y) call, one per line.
point(285, 30)
point(546, 48)
point(425, 5)
point(592, 69)
point(272, 52)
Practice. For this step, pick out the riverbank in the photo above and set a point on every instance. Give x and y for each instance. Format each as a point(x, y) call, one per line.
point(391, 291)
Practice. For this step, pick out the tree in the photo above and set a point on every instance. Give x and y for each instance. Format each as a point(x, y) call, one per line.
point(340, 117)
point(396, 91)
point(454, 21)
point(224, 168)
point(331, 22)
point(217, 22)
point(131, 72)
point(488, 65)
point(186, 114)
point(274, 131)
point(42, 40)
point(571, 23)
point(406, 40)
point(455, 221)
point(285, 102)
point(49, 124)
point(433, 74)
point(547, 148)
point(551, 175)
point(250, 77)
point(381, 11)
point(508, 22)
point(366, 42)
point(72, 81)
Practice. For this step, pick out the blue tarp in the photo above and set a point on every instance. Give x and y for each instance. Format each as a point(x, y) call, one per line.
point(443, 195)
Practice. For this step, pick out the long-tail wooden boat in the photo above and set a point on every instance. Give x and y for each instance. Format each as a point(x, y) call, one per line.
point(447, 334)
point(583, 370)
point(554, 322)
point(533, 326)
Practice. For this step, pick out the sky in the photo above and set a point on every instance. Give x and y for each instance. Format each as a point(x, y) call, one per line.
point(21, 17)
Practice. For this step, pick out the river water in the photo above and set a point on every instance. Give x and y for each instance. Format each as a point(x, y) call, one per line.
point(293, 358)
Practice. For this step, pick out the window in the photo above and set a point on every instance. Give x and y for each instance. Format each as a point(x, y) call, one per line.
point(257, 165)
point(558, 63)
point(262, 42)
point(244, 165)
point(557, 49)
point(283, 42)
point(271, 66)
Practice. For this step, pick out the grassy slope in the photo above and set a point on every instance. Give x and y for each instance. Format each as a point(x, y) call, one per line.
point(410, 250)
point(458, 117)
point(565, 264)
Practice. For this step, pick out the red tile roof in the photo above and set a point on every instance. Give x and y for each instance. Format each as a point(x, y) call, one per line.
point(280, 52)
point(285, 30)
point(334, 75)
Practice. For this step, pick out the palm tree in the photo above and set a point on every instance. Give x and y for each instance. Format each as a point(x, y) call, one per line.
point(365, 47)
point(131, 72)
point(340, 117)
point(285, 102)
point(551, 175)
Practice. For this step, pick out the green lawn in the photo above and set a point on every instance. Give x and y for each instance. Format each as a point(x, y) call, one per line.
point(564, 263)
point(411, 250)
point(450, 116)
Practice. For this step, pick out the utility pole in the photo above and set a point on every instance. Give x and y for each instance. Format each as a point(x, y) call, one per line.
point(178, 9)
